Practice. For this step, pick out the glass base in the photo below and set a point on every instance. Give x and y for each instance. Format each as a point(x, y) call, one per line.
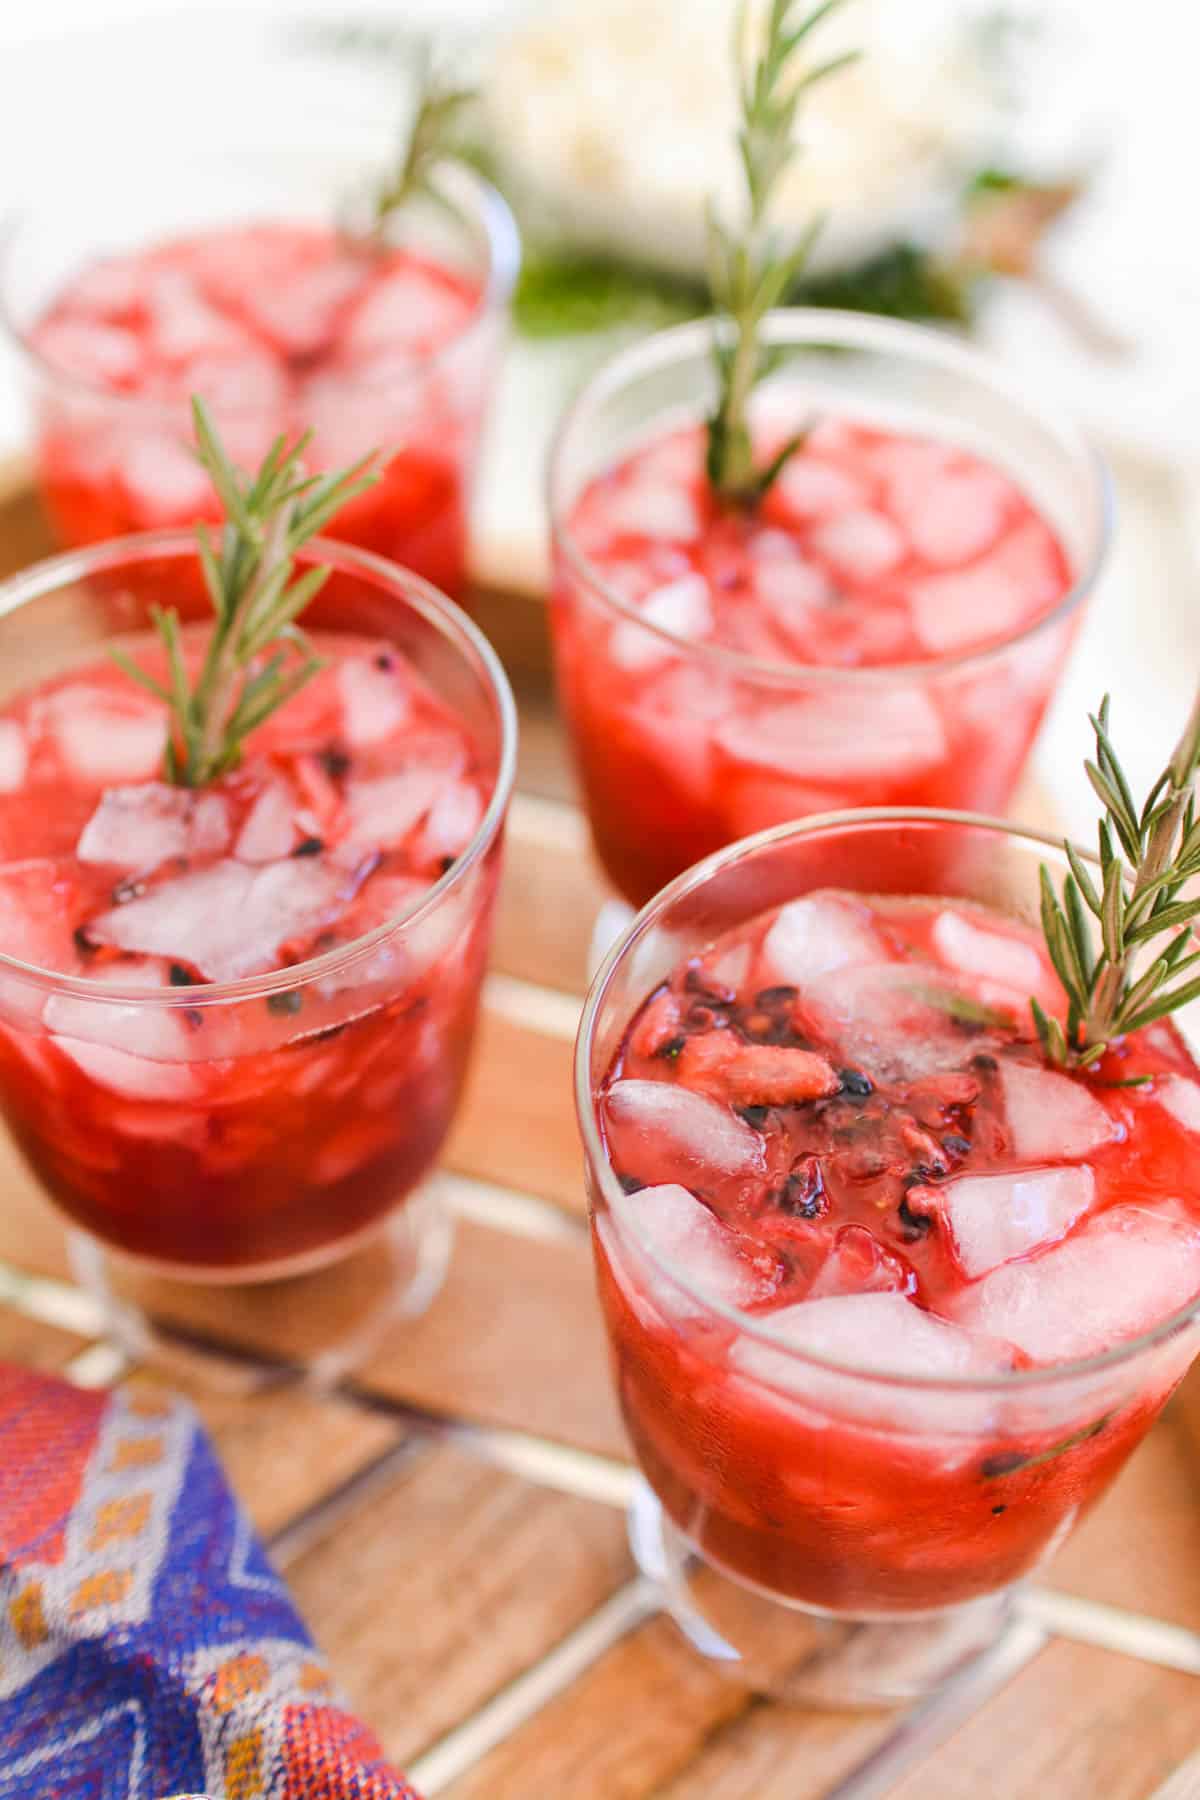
point(316, 1324)
point(612, 921)
point(801, 1654)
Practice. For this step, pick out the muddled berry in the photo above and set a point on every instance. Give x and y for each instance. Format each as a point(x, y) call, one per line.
point(985, 1063)
point(669, 1050)
point(956, 1145)
point(335, 762)
point(999, 1509)
point(855, 1085)
point(1006, 1463)
point(803, 1193)
point(445, 864)
point(630, 1184)
point(309, 846)
point(753, 1115)
point(127, 890)
point(772, 997)
point(287, 1002)
point(385, 661)
point(916, 1225)
point(83, 942)
point(697, 982)
point(178, 976)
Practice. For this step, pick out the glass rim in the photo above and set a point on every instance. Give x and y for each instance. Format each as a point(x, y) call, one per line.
point(749, 1324)
point(481, 203)
point(848, 329)
point(436, 609)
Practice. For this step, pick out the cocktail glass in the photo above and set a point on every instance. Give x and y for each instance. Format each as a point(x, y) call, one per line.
point(117, 459)
point(683, 746)
point(844, 1535)
point(262, 1177)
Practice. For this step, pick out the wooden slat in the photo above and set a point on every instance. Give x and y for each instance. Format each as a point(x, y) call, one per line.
point(514, 1339)
point(1140, 1548)
point(1077, 1724)
point(516, 1125)
point(775, 1752)
point(444, 1589)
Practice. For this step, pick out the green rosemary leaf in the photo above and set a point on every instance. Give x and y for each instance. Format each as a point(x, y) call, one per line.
point(1125, 827)
point(1083, 880)
point(1111, 914)
point(1166, 1003)
point(1181, 913)
point(748, 275)
point(1012, 1462)
point(143, 679)
point(256, 598)
point(1081, 936)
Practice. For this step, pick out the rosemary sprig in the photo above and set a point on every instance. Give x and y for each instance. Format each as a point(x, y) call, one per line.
point(430, 138)
point(1146, 858)
point(257, 602)
point(749, 272)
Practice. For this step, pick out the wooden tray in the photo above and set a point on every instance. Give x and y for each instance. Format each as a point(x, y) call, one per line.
point(451, 1522)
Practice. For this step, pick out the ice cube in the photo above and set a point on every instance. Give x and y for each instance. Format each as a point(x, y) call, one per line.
point(956, 516)
point(140, 827)
point(141, 1036)
point(410, 308)
point(133, 1077)
point(679, 1232)
point(112, 286)
point(376, 700)
point(164, 482)
point(892, 1020)
point(452, 822)
point(884, 736)
point(812, 936)
point(104, 355)
point(992, 955)
point(182, 322)
point(300, 314)
point(653, 510)
point(882, 1333)
point(1118, 1275)
point(859, 1264)
point(673, 714)
point(241, 382)
point(107, 737)
point(269, 831)
point(385, 809)
point(862, 545)
point(229, 920)
point(994, 1218)
point(35, 907)
point(1181, 1098)
point(790, 588)
point(990, 597)
point(655, 1129)
point(1052, 1117)
point(810, 487)
point(14, 757)
point(683, 607)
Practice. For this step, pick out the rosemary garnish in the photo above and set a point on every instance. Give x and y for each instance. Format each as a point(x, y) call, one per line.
point(256, 600)
point(429, 139)
point(1010, 1462)
point(1145, 859)
point(749, 273)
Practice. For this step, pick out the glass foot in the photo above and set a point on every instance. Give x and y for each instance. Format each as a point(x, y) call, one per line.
point(798, 1654)
point(316, 1325)
point(614, 918)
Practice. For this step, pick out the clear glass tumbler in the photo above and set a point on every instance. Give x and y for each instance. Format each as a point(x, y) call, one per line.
point(842, 1535)
point(262, 1176)
point(684, 746)
point(113, 456)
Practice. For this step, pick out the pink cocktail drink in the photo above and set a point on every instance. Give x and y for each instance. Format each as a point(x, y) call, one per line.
point(890, 1300)
point(282, 326)
point(886, 626)
point(234, 1021)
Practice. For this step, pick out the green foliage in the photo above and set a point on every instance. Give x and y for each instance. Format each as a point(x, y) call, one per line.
point(256, 599)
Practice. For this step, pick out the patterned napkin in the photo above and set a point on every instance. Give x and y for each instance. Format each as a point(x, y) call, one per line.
point(147, 1647)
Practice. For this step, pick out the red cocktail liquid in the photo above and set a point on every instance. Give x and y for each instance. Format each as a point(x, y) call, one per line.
point(873, 552)
point(280, 328)
point(835, 1123)
point(239, 1135)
